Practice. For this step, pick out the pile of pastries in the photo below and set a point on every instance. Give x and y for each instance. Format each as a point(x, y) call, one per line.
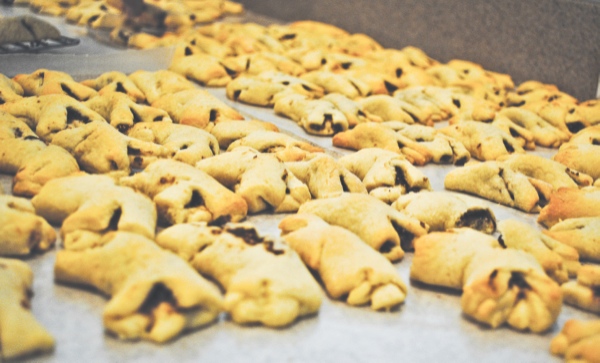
point(150, 180)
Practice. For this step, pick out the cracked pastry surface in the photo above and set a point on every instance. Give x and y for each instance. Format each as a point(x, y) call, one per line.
point(155, 295)
point(349, 269)
point(21, 334)
point(264, 280)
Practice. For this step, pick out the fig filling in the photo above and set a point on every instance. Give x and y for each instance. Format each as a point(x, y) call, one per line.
point(387, 247)
point(517, 279)
point(158, 294)
point(406, 237)
point(479, 219)
point(249, 235)
point(73, 115)
point(69, 92)
point(196, 200)
point(119, 88)
point(113, 224)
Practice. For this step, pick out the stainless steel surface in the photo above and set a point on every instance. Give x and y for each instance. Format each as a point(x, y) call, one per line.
point(428, 327)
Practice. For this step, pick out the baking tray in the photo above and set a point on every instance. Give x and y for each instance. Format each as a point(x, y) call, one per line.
point(428, 327)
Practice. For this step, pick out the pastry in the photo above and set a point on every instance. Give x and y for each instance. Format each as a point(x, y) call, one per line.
point(209, 46)
point(590, 111)
point(589, 135)
point(583, 234)
point(568, 203)
point(563, 116)
point(21, 334)
point(254, 91)
point(96, 206)
point(196, 107)
point(262, 61)
point(205, 69)
point(228, 132)
point(261, 179)
point(296, 84)
point(558, 259)
point(498, 285)
point(337, 83)
point(583, 293)
point(492, 181)
point(50, 114)
point(9, 90)
point(379, 225)
point(155, 295)
point(544, 134)
point(96, 14)
point(21, 231)
point(354, 112)
point(389, 108)
point(483, 141)
point(285, 147)
point(154, 85)
point(348, 268)
point(47, 82)
point(584, 158)
point(115, 82)
point(325, 177)
point(122, 113)
point(316, 117)
point(184, 194)
point(26, 28)
point(368, 135)
point(52, 7)
point(534, 91)
point(185, 143)
point(264, 280)
point(385, 174)
point(442, 211)
point(578, 341)
point(100, 148)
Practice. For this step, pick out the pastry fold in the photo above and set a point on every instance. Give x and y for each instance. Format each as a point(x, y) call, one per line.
point(318, 117)
point(155, 295)
point(349, 269)
point(583, 234)
point(585, 292)
point(154, 85)
point(264, 280)
point(566, 203)
point(578, 341)
point(232, 130)
point(47, 82)
point(115, 81)
point(283, 146)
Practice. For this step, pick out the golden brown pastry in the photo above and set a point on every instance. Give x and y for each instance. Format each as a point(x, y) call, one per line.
point(96, 14)
point(285, 147)
point(535, 91)
point(442, 211)
point(583, 234)
point(254, 91)
point(385, 174)
point(338, 83)
point(568, 203)
point(325, 177)
point(94, 207)
point(115, 81)
point(544, 133)
point(205, 69)
point(262, 61)
point(47, 82)
point(583, 293)
point(196, 107)
point(52, 7)
point(440, 103)
point(590, 111)
point(122, 113)
point(154, 85)
point(389, 108)
point(21, 231)
point(563, 116)
point(589, 135)
point(21, 335)
point(155, 295)
point(261, 179)
point(50, 114)
point(499, 285)
point(231, 130)
point(354, 112)
point(316, 117)
point(9, 90)
point(578, 341)
point(349, 269)
point(185, 143)
point(581, 157)
point(559, 260)
point(264, 280)
point(379, 225)
point(26, 29)
point(368, 135)
point(185, 194)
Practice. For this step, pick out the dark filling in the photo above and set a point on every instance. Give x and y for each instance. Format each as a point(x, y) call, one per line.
point(250, 236)
point(542, 198)
point(195, 201)
point(167, 180)
point(123, 129)
point(188, 51)
point(446, 159)
point(596, 290)
point(518, 104)
point(93, 19)
point(270, 247)
point(120, 88)
point(390, 87)
point(18, 133)
point(356, 88)
point(136, 116)
point(596, 142)
point(360, 113)
point(69, 92)
point(193, 17)
point(220, 221)
point(133, 151)
point(113, 224)
point(213, 115)
point(552, 98)
point(479, 219)
point(387, 247)
point(158, 119)
point(344, 185)
point(307, 88)
point(323, 61)
point(508, 146)
point(400, 177)
point(399, 72)
point(25, 304)
point(461, 161)
point(247, 64)
point(42, 75)
point(236, 94)
point(113, 165)
point(158, 294)
point(406, 237)
point(337, 128)
point(513, 132)
point(575, 127)
point(183, 147)
point(229, 71)
point(501, 241)
point(346, 65)
point(288, 37)
point(2, 101)
point(517, 279)
point(456, 103)
point(31, 137)
point(74, 115)
point(103, 8)
point(415, 119)
point(510, 193)
point(285, 83)
point(492, 277)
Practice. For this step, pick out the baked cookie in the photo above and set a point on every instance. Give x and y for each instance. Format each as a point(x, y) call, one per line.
point(205, 69)
point(52, 7)
point(578, 341)
point(483, 141)
point(348, 268)
point(9, 90)
point(21, 231)
point(389, 108)
point(96, 14)
point(442, 211)
point(493, 181)
point(155, 295)
point(21, 334)
point(96, 206)
point(325, 177)
point(208, 45)
point(535, 91)
point(264, 280)
point(589, 135)
point(115, 81)
point(566, 203)
point(317, 117)
point(368, 135)
point(185, 143)
point(338, 83)
point(154, 85)
point(285, 147)
point(382, 227)
point(122, 113)
point(47, 82)
point(261, 179)
point(254, 91)
point(385, 174)
point(544, 133)
point(185, 194)
point(196, 107)
point(558, 259)
point(583, 234)
point(498, 285)
point(296, 84)
point(262, 61)
point(231, 130)
point(590, 111)
point(50, 114)
point(100, 148)
point(354, 112)
point(584, 158)
point(583, 293)
point(563, 116)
